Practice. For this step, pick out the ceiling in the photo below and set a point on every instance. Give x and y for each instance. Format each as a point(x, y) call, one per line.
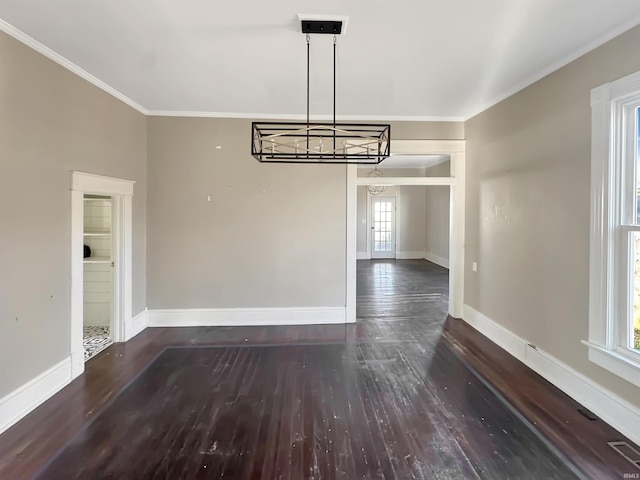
point(413, 60)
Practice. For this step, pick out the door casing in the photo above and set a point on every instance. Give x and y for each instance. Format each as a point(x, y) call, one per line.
point(121, 193)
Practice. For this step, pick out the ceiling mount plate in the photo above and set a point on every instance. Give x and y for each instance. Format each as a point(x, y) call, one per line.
point(322, 26)
point(314, 23)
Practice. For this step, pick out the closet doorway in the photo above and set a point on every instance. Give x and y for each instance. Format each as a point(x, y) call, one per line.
point(101, 264)
point(98, 267)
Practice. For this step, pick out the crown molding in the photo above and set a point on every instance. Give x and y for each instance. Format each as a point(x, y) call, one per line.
point(302, 118)
point(610, 35)
point(69, 65)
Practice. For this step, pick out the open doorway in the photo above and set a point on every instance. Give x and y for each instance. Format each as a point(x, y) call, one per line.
point(98, 264)
point(403, 244)
point(451, 186)
point(101, 228)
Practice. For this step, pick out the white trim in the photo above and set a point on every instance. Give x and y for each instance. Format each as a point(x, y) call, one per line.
point(298, 117)
point(238, 317)
point(362, 256)
point(616, 411)
point(17, 404)
point(456, 149)
point(351, 244)
point(408, 255)
point(135, 325)
point(121, 192)
point(76, 350)
point(457, 234)
point(69, 65)
point(437, 259)
point(399, 181)
point(613, 180)
point(584, 49)
point(99, 184)
point(615, 362)
point(495, 332)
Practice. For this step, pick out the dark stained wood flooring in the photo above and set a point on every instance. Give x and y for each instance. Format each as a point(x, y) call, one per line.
point(360, 410)
point(403, 393)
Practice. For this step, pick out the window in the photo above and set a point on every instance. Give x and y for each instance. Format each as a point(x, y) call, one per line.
point(614, 287)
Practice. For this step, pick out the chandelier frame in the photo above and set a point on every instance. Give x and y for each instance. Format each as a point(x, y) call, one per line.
point(317, 142)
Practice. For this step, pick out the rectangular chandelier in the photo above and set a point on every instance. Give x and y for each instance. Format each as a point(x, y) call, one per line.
point(302, 142)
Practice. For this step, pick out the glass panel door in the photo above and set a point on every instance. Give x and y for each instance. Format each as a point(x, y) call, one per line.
point(383, 227)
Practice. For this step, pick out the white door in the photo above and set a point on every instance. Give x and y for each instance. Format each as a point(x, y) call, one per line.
point(383, 227)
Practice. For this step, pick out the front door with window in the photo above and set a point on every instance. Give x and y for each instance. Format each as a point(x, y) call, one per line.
point(383, 227)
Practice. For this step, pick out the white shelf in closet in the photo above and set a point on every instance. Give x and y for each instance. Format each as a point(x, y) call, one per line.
point(97, 233)
point(97, 260)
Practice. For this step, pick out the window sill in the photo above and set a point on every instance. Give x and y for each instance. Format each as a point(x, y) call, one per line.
point(615, 362)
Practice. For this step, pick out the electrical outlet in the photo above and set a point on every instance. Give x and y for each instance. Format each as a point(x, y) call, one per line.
point(474, 266)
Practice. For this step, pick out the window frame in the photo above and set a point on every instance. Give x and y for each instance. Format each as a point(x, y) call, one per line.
point(613, 174)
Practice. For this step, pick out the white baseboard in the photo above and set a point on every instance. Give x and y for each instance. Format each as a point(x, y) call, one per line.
point(409, 255)
point(362, 256)
point(77, 363)
point(438, 260)
point(236, 317)
point(135, 325)
point(17, 404)
point(616, 411)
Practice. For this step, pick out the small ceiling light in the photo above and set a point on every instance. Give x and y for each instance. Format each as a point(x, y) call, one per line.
point(312, 142)
point(376, 189)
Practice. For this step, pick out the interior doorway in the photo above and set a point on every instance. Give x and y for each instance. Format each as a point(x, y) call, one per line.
point(454, 180)
point(382, 224)
point(98, 264)
point(101, 219)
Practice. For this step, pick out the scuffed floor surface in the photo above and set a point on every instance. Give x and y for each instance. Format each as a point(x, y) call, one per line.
point(394, 409)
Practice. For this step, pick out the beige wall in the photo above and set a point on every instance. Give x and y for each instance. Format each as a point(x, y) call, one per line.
point(410, 221)
point(427, 131)
point(527, 207)
point(423, 213)
point(53, 122)
point(271, 236)
point(422, 220)
point(437, 214)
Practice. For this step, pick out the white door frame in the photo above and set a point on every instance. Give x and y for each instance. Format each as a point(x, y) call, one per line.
point(456, 151)
point(121, 192)
point(370, 224)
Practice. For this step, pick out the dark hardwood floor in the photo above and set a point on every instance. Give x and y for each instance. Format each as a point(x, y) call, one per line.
point(404, 393)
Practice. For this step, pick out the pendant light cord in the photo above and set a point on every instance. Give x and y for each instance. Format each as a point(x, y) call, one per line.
point(334, 95)
point(308, 53)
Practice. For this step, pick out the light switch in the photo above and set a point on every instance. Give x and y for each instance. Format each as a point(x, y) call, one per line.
point(364, 221)
point(474, 266)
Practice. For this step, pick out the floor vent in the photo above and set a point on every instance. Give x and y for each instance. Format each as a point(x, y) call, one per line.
point(627, 451)
point(588, 413)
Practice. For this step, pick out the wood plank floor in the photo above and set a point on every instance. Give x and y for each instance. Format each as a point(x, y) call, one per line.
point(405, 402)
point(358, 410)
